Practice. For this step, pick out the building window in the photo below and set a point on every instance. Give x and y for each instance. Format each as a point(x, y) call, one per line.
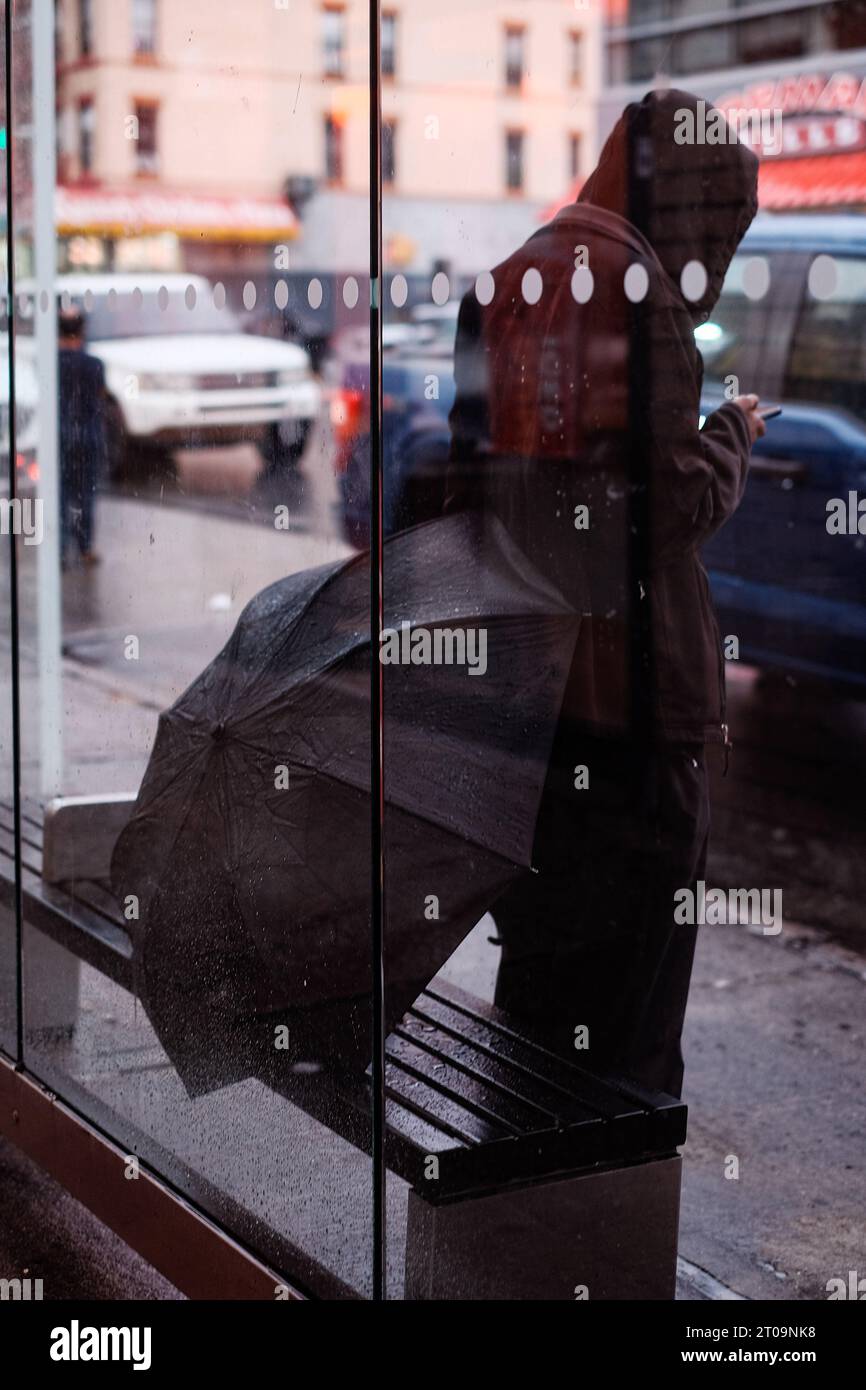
point(514, 161)
point(86, 128)
point(146, 148)
point(144, 26)
point(573, 156)
point(85, 27)
point(333, 41)
point(845, 22)
point(389, 44)
point(773, 37)
point(515, 42)
point(575, 59)
point(389, 151)
point(333, 150)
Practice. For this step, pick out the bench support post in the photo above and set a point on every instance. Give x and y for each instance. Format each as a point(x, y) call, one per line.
point(612, 1232)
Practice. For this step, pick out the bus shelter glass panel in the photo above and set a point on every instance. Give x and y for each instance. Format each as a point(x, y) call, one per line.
point(192, 275)
point(601, 569)
point(8, 950)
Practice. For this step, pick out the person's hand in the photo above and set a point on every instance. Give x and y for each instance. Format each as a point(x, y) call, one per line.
point(749, 406)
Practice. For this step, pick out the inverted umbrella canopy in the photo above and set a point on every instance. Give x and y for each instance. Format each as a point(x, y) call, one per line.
point(248, 851)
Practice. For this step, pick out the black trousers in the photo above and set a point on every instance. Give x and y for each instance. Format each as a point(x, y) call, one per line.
point(589, 939)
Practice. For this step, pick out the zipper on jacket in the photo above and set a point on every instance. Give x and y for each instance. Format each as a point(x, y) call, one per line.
point(723, 693)
point(728, 747)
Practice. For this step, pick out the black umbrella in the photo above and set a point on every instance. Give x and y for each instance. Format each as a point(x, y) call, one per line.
point(247, 856)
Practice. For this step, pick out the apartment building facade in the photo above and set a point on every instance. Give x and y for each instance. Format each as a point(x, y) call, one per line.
point(207, 134)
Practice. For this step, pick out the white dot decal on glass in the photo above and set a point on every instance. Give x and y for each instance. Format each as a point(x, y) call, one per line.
point(137, 298)
point(162, 298)
point(756, 277)
point(351, 292)
point(65, 302)
point(399, 291)
point(315, 293)
point(43, 301)
point(112, 300)
point(189, 296)
point(219, 295)
point(693, 281)
point(25, 308)
point(485, 287)
point(440, 288)
point(582, 284)
point(249, 295)
point(88, 301)
point(636, 283)
point(822, 277)
point(531, 285)
point(281, 294)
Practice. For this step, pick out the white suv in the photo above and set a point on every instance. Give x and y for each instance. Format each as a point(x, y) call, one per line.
point(180, 371)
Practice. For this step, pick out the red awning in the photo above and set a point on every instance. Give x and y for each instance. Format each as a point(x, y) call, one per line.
point(816, 181)
point(133, 212)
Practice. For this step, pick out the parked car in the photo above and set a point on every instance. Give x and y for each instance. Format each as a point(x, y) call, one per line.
point(418, 392)
point(792, 593)
point(181, 371)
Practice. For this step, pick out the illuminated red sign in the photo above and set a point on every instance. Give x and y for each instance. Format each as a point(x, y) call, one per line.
point(807, 115)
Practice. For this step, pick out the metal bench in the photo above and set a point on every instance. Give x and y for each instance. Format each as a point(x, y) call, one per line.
point(531, 1178)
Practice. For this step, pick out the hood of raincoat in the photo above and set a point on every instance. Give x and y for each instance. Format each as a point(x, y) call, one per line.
point(695, 199)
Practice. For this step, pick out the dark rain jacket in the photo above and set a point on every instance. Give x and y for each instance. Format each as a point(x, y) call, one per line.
point(576, 418)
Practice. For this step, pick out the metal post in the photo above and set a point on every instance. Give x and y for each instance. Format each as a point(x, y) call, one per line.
point(44, 174)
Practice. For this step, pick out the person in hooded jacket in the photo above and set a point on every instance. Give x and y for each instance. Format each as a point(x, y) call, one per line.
point(576, 421)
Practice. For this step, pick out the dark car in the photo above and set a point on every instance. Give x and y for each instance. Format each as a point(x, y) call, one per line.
point(791, 326)
point(418, 392)
point(792, 591)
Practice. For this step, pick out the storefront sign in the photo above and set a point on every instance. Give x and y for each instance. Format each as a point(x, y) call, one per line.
point(817, 114)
